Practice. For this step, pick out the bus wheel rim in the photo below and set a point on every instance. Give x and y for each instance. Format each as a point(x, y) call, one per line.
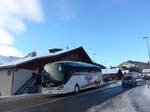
point(76, 89)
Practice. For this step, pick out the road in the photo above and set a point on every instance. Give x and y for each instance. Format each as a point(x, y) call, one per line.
point(68, 103)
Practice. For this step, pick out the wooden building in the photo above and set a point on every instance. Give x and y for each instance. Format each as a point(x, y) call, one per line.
point(17, 76)
point(112, 73)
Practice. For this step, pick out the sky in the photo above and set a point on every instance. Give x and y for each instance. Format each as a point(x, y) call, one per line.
point(111, 31)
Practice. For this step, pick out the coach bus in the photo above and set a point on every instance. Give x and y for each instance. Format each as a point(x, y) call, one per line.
point(68, 76)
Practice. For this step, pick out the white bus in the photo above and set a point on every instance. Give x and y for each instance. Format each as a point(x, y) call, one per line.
point(68, 76)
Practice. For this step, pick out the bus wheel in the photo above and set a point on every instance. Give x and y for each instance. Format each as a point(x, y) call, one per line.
point(97, 84)
point(76, 89)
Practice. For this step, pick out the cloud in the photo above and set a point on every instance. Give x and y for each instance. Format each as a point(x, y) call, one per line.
point(13, 14)
point(5, 38)
point(9, 51)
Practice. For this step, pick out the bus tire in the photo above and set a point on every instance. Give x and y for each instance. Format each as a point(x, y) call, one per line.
point(97, 84)
point(76, 88)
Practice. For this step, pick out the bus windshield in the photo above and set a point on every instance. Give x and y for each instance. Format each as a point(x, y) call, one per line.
point(52, 73)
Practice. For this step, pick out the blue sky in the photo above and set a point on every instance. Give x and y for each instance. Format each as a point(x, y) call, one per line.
point(111, 31)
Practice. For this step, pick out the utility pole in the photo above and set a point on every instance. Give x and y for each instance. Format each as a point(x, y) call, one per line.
point(147, 42)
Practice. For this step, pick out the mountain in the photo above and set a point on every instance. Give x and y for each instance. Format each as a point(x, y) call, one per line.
point(5, 59)
point(134, 65)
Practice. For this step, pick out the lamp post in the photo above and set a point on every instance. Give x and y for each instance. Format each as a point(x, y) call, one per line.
point(147, 42)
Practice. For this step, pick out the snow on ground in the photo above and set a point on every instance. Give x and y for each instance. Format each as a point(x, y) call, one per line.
point(118, 104)
point(146, 92)
point(1, 97)
point(21, 96)
point(134, 100)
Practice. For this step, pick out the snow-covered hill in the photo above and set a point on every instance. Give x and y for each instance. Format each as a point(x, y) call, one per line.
point(5, 59)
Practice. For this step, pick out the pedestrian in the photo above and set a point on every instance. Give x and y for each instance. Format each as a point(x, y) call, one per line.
point(148, 83)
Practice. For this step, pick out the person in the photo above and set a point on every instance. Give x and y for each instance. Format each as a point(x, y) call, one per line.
point(148, 82)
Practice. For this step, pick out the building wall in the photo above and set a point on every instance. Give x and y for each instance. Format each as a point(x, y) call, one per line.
point(20, 78)
point(5, 82)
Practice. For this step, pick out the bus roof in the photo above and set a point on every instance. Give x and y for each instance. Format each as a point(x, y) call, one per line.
point(76, 64)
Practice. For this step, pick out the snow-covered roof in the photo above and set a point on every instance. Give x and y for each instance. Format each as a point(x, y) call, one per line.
point(110, 71)
point(56, 53)
point(29, 59)
point(6, 59)
point(17, 62)
point(146, 70)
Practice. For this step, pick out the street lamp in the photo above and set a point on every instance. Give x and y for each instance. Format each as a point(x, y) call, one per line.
point(147, 42)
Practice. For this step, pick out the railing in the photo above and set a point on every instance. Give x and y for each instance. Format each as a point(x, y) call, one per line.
point(25, 86)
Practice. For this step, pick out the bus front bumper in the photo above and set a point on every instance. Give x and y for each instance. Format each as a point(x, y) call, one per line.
point(50, 91)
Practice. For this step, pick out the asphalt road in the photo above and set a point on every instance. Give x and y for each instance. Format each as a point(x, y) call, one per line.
point(68, 103)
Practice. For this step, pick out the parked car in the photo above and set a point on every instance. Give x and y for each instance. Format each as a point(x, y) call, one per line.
point(129, 81)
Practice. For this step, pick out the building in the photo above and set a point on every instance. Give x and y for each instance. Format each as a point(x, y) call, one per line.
point(112, 73)
point(17, 77)
point(145, 72)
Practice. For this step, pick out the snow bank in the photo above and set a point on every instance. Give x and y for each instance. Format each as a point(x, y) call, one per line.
point(134, 100)
point(146, 92)
point(121, 103)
